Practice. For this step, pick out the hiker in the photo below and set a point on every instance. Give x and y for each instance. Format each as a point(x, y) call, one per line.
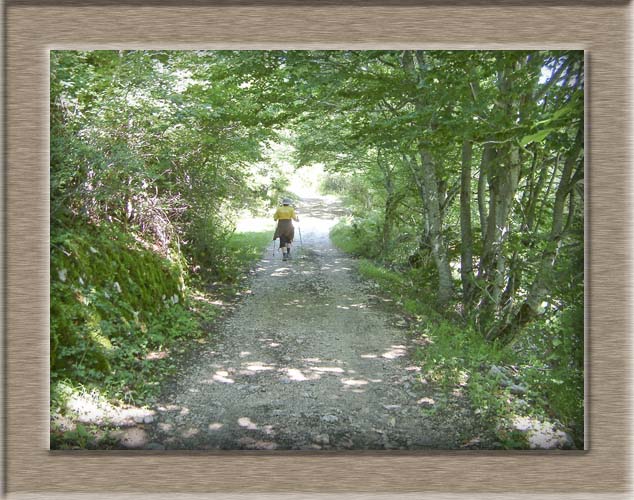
point(285, 231)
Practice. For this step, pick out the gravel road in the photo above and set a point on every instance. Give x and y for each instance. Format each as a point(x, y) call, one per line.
point(313, 358)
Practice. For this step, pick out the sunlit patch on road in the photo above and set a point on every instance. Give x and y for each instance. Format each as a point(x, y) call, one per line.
point(223, 377)
point(133, 437)
point(327, 369)
point(254, 444)
point(426, 401)
point(190, 432)
point(157, 355)
point(353, 382)
point(281, 271)
point(246, 423)
point(259, 367)
point(168, 408)
point(296, 375)
point(295, 302)
point(397, 351)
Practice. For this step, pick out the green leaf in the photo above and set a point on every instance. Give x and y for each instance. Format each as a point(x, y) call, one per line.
point(536, 137)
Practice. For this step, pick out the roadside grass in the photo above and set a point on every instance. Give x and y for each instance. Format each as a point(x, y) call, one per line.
point(247, 248)
point(501, 382)
point(343, 238)
point(354, 239)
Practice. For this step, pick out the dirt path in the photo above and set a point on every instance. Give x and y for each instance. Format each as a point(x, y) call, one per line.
point(311, 359)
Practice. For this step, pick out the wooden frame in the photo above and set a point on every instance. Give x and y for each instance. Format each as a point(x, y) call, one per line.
point(33, 28)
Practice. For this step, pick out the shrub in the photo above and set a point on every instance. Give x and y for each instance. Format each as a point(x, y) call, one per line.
point(358, 238)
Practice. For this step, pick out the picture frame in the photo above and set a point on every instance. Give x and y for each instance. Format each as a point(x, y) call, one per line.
point(33, 28)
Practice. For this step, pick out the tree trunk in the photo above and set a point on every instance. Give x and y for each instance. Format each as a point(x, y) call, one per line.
point(531, 190)
point(439, 250)
point(539, 291)
point(427, 180)
point(503, 169)
point(485, 167)
point(391, 202)
point(466, 246)
point(388, 223)
point(503, 185)
point(428, 190)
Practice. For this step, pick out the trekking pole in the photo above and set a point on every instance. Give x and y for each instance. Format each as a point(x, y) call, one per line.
point(301, 243)
point(273, 254)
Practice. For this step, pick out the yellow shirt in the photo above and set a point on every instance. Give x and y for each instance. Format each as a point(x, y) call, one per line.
point(285, 212)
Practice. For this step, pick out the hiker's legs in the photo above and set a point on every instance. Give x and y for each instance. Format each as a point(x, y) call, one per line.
point(284, 247)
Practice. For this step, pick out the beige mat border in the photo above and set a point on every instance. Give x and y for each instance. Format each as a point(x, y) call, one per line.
point(31, 471)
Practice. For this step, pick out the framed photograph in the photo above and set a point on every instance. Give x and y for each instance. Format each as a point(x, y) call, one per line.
point(472, 155)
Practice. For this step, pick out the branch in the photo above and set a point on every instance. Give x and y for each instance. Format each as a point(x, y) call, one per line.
point(578, 175)
point(474, 92)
